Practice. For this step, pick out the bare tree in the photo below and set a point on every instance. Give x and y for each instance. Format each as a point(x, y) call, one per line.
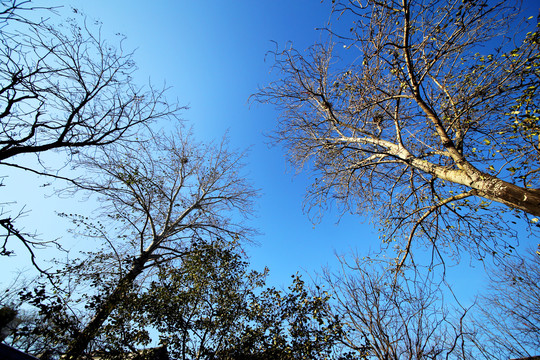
point(64, 88)
point(160, 195)
point(425, 115)
point(509, 311)
point(387, 317)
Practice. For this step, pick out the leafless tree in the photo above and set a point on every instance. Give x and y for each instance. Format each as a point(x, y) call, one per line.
point(509, 311)
point(405, 317)
point(64, 88)
point(422, 113)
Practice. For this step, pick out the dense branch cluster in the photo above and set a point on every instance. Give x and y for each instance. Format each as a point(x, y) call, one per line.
point(414, 119)
point(65, 89)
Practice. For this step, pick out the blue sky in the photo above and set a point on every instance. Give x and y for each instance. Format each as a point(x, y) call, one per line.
point(212, 55)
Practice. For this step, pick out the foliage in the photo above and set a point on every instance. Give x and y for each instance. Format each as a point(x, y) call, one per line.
point(44, 330)
point(210, 306)
point(292, 325)
point(199, 306)
point(7, 316)
point(214, 307)
point(525, 111)
point(423, 115)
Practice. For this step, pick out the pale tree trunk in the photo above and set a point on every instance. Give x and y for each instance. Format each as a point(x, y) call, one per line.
point(488, 186)
point(491, 187)
point(512, 195)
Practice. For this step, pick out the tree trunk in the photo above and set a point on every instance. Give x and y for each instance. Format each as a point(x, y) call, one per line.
point(512, 195)
point(80, 343)
point(488, 186)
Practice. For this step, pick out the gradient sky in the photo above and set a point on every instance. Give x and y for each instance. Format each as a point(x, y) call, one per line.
point(212, 54)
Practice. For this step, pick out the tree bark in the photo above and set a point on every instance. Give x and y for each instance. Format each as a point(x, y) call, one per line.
point(512, 195)
point(488, 186)
point(80, 343)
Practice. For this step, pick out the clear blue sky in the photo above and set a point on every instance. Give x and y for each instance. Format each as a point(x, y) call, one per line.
point(212, 54)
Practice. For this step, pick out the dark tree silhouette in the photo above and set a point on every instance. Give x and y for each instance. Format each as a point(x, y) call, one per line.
point(63, 88)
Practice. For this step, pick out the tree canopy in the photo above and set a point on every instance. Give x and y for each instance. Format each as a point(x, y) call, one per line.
point(158, 196)
point(424, 114)
point(209, 306)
